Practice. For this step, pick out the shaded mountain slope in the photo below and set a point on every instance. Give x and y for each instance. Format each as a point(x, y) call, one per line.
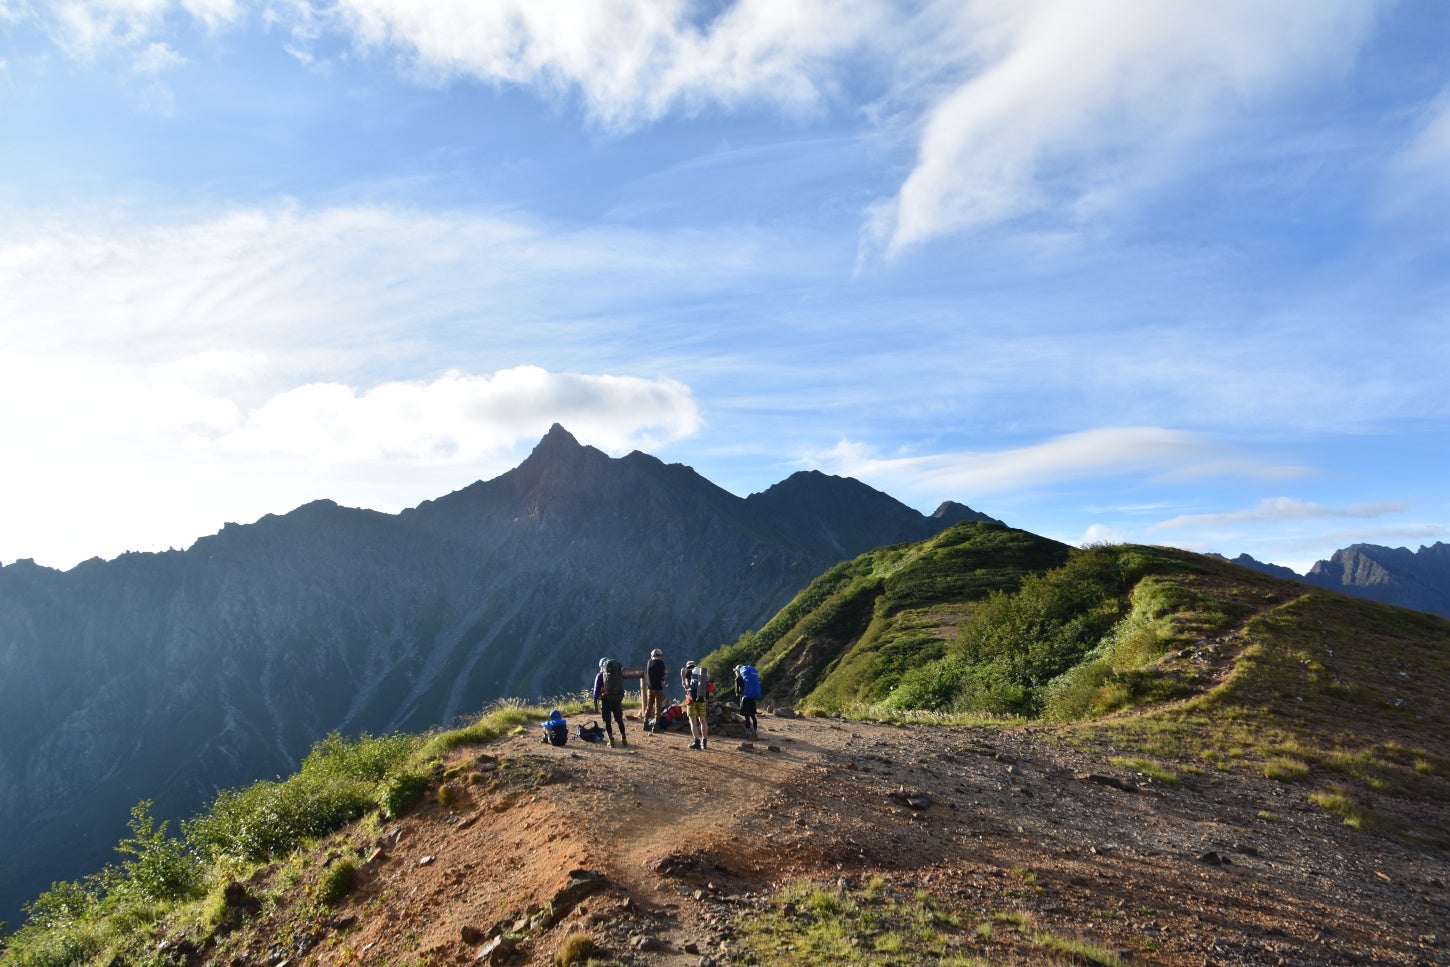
point(1394, 575)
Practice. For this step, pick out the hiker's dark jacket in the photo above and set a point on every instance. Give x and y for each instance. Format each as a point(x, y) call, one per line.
point(655, 672)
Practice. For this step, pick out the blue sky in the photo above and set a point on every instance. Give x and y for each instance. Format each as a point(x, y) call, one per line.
point(1149, 270)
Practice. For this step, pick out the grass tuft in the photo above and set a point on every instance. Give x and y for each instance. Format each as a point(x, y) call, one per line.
point(337, 881)
point(577, 949)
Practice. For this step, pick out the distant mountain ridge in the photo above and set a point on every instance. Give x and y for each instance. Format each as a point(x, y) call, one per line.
point(1392, 575)
point(171, 675)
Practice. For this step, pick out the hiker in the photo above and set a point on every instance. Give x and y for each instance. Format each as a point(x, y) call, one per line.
point(609, 690)
point(654, 689)
point(556, 728)
point(747, 689)
point(696, 680)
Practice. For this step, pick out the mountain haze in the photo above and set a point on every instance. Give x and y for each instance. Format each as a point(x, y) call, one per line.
point(168, 676)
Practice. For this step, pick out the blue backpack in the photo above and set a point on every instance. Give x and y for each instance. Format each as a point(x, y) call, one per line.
point(751, 679)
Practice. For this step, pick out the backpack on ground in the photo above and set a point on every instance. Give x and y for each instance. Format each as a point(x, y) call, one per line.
point(669, 717)
point(613, 677)
point(593, 732)
point(750, 679)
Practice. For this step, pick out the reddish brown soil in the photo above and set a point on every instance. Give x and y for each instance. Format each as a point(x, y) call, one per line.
point(1224, 868)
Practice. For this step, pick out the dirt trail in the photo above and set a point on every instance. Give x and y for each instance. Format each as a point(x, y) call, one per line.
point(1223, 868)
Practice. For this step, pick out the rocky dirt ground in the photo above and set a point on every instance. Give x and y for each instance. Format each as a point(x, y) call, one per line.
point(1222, 868)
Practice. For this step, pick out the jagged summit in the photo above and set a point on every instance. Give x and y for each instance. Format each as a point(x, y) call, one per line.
point(558, 441)
point(951, 512)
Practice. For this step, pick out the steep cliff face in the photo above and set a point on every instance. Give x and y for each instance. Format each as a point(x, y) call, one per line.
point(168, 676)
point(1392, 575)
point(1395, 575)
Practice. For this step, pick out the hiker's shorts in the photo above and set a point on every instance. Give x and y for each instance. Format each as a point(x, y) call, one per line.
point(696, 709)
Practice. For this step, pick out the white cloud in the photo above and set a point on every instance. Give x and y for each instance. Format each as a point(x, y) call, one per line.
point(144, 460)
point(1104, 534)
point(461, 418)
point(1075, 104)
point(631, 61)
point(1110, 451)
point(157, 59)
point(1279, 509)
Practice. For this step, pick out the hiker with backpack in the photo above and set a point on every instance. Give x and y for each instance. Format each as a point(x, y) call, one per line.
point(696, 680)
point(609, 691)
point(747, 689)
point(654, 689)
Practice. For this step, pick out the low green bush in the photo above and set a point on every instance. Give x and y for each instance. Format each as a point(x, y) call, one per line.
point(337, 881)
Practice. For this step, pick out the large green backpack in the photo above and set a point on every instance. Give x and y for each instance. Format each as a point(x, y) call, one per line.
point(613, 677)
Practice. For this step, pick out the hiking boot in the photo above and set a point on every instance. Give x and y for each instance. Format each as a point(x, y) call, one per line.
point(695, 745)
point(704, 743)
point(623, 741)
point(611, 741)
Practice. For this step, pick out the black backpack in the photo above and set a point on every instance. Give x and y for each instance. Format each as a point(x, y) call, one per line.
point(613, 677)
point(593, 732)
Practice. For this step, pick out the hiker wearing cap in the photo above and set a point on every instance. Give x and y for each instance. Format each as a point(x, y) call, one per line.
point(696, 680)
point(556, 728)
point(654, 688)
point(609, 691)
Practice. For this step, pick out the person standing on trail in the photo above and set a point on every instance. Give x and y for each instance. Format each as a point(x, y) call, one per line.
point(747, 690)
point(609, 691)
point(696, 680)
point(654, 688)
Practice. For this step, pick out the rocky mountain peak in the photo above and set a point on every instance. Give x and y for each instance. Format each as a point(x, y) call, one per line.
point(952, 512)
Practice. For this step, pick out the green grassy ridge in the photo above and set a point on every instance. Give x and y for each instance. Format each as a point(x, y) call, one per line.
point(852, 632)
point(980, 619)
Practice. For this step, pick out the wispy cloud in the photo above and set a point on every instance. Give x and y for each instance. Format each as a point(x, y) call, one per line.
point(1419, 175)
point(91, 30)
point(1075, 106)
point(1387, 534)
point(630, 61)
point(1016, 108)
point(353, 282)
point(1105, 452)
point(1279, 509)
